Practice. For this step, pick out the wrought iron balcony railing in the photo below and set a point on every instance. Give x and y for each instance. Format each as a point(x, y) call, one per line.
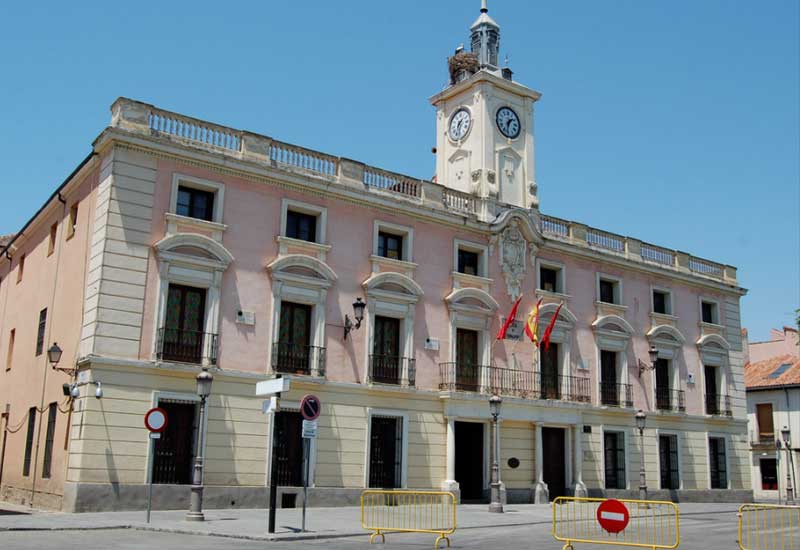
point(616, 395)
point(718, 405)
point(391, 369)
point(670, 400)
point(291, 358)
point(563, 388)
point(461, 376)
point(186, 346)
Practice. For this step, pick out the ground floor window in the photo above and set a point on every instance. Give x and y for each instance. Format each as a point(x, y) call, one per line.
point(668, 458)
point(173, 454)
point(50, 436)
point(614, 449)
point(769, 474)
point(26, 463)
point(718, 462)
point(386, 452)
point(287, 444)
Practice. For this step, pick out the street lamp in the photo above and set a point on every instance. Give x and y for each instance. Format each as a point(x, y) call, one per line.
point(494, 407)
point(641, 421)
point(204, 380)
point(358, 313)
point(785, 435)
point(54, 354)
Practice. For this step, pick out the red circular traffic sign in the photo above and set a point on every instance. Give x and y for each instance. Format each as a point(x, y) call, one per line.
point(613, 516)
point(310, 407)
point(156, 420)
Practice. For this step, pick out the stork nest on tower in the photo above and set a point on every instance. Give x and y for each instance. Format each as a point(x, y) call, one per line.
point(462, 65)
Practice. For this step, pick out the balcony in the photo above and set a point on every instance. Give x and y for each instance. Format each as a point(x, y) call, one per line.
point(186, 346)
point(394, 370)
point(616, 395)
point(290, 358)
point(758, 439)
point(563, 388)
point(670, 400)
point(461, 377)
point(718, 405)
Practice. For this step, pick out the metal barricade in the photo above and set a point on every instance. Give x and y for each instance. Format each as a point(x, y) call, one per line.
point(408, 512)
point(769, 527)
point(649, 523)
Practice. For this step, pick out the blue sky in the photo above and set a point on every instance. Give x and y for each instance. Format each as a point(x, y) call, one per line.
point(674, 122)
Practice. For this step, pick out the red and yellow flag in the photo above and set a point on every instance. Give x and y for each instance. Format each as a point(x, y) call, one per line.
point(532, 324)
point(501, 335)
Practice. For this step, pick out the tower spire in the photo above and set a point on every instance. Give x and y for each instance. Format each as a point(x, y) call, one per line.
point(486, 38)
point(484, 7)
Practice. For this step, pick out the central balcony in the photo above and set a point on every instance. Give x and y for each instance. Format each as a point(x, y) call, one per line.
point(288, 358)
point(390, 369)
point(186, 346)
point(512, 383)
point(670, 400)
point(718, 405)
point(616, 395)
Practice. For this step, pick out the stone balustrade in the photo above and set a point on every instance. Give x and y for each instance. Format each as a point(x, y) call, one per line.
point(137, 117)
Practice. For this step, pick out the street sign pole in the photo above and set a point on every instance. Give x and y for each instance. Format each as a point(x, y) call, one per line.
point(153, 437)
point(307, 454)
point(273, 483)
point(156, 422)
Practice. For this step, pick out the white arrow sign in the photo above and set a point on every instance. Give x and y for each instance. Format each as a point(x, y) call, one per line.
point(271, 387)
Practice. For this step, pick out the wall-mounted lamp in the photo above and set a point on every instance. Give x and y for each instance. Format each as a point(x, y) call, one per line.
point(653, 353)
point(358, 312)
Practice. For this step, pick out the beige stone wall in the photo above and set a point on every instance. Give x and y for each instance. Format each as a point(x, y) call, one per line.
point(517, 439)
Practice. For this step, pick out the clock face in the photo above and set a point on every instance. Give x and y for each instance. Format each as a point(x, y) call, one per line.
point(508, 122)
point(460, 124)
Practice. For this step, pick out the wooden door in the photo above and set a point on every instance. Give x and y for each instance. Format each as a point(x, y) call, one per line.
point(287, 444)
point(668, 459)
point(469, 460)
point(184, 324)
point(467, 367)
point(294, 338)
point(386, 351)
point(385, 453)
point(712, 398)
point(608, 378)
point(555, 464)
point(663, 394)
point(550, 388)
point(174, 452)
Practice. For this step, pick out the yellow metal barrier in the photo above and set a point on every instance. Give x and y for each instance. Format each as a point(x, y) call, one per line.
point(409, 512)
point(652, 524)
point(769, 527)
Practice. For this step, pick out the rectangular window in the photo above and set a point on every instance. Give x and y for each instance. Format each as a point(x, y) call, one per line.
point(40, 332)
point(194, 203)
point(301, 226)
point(610, 391)
point(12, 337)
point(769, 474)
point(614, 449)
point(51, 246)
point(26, 464)
point(173, 454)
point(292, 353)
point(390, 246)
point(72, 226)
point(287, 444)
point(467, 361)
point(668, 458)
point(52, 411)
point(766, 425)
point(709, 312)
point(386, 452)
point(609, 292)
point(21, 268)
point(718, 463)
point(663, 389)
point(548, 279)
point(661, 302)
point(468, 262)
point(183, 337)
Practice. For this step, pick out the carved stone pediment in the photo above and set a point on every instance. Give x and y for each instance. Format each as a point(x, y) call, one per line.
point(513, 258)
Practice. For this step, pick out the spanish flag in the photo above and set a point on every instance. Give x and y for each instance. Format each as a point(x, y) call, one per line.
point(532, 324)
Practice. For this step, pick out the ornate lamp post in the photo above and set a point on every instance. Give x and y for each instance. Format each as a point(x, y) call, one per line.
point(204, 380)
point(494, 406)
point(641, 421)
point(358, 312)
point(785, 434)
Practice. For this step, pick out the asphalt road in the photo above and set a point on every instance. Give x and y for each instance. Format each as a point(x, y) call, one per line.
point(699, 532)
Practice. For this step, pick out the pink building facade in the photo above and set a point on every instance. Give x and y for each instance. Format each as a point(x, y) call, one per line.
point(179, 244)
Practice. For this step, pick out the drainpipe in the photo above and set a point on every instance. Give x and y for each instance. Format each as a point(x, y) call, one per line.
point(5, 415)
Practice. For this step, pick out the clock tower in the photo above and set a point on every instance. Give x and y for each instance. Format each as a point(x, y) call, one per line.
point(484, 125)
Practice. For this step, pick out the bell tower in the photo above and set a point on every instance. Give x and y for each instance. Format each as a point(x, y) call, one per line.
point(484, 124)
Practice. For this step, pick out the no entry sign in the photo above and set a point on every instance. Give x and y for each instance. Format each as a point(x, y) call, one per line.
point(310, 407)
point(156, 420)
point(613, 516)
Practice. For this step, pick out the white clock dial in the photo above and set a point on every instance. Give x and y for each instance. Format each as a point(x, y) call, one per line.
point(508, 122)
point(460, 124)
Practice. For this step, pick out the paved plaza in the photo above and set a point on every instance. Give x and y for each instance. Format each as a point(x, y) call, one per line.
point(703, 527)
